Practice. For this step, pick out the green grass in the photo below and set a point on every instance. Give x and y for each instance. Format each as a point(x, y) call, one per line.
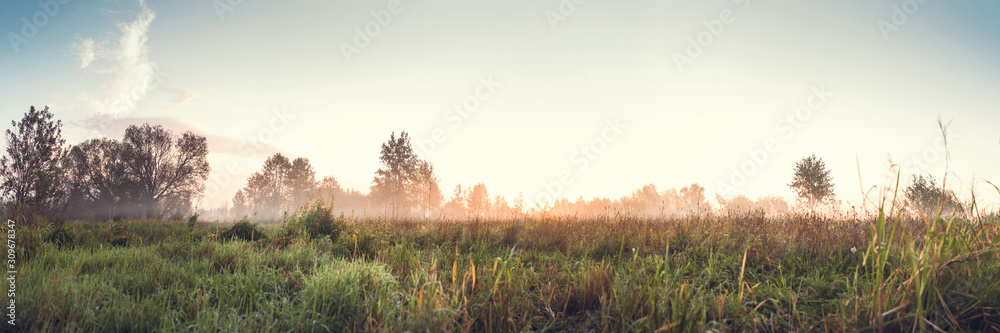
point(709, 273)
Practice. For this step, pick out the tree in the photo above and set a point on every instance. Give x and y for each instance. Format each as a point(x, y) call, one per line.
point(427, 191)
point(499, 206)
point(329, 189)
point(456, 205)
point(97, 179)
point(737, 205)
point(693, 198)
point(168, 170)
point(266, 190)
point(391, 184)
point(645, 201)
point(31, 168)
point(479, 199)
point(301, 182)
point(812, 181)
point(924, 195)
point(773, 205)
point(519, 204)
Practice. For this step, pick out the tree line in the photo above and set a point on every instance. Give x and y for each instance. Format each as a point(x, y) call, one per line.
point(151, 172)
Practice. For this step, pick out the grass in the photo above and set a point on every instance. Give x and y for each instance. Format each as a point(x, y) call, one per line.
point(708, 273)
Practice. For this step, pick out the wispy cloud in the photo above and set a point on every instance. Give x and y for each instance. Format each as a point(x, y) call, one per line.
point(132, 74)
point(85, 50)
point(109, 12)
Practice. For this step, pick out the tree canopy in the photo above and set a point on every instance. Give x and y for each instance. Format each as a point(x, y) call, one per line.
point(812, 181)
point(31, 167)
point(925, 196)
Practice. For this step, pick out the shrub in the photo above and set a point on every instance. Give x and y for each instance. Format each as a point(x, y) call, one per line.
point(315, 222)
point(118, 234)
point(243, 230)
point(192, 221)
point(60, 236)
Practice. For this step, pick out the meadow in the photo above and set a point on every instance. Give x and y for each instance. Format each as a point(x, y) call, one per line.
point(317, 272)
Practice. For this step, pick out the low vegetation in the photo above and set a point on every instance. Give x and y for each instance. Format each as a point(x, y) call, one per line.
point(316, 272)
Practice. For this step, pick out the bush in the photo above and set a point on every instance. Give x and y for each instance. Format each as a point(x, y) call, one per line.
point(243, 230)
point(192, 221)
point(315, 222)
point(118, 234)
point(60, 236)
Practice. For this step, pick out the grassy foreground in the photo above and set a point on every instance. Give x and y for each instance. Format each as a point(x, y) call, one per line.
point(708, 273)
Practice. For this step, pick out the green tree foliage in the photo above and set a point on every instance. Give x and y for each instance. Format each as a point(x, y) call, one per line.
point(31, 168)
point(315, 221)
point(394, 179)
point(282, 185)
point(301, 182)
point(404, 184)
point(97, 179)
point(343, 201)
point(151, 172)
point(169, 171)
point(812, 181)
point(924, 195)
point(266, 191)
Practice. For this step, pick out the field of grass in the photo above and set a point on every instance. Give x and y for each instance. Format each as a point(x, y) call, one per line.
point(697, 273)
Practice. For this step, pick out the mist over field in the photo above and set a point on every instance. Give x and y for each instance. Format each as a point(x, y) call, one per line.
point(555, 165)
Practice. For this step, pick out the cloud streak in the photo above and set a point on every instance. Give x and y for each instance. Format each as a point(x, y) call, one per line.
point(132, 74)
point(85, 50)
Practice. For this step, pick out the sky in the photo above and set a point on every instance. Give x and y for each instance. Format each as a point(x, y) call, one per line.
point(552, 99)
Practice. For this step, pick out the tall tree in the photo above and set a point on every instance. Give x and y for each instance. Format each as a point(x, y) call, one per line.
point(97, 179)
point(267, 190)
point(31, 168)
point(479, 199)
point(693, 198)
point(301, 182)
point(426, 188)
point(812, 181)
point(329, 189)
point(391, 184)
point(456, 205)
point(169, 170)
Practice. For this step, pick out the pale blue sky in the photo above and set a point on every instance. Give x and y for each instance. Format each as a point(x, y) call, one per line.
point(557, 87)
